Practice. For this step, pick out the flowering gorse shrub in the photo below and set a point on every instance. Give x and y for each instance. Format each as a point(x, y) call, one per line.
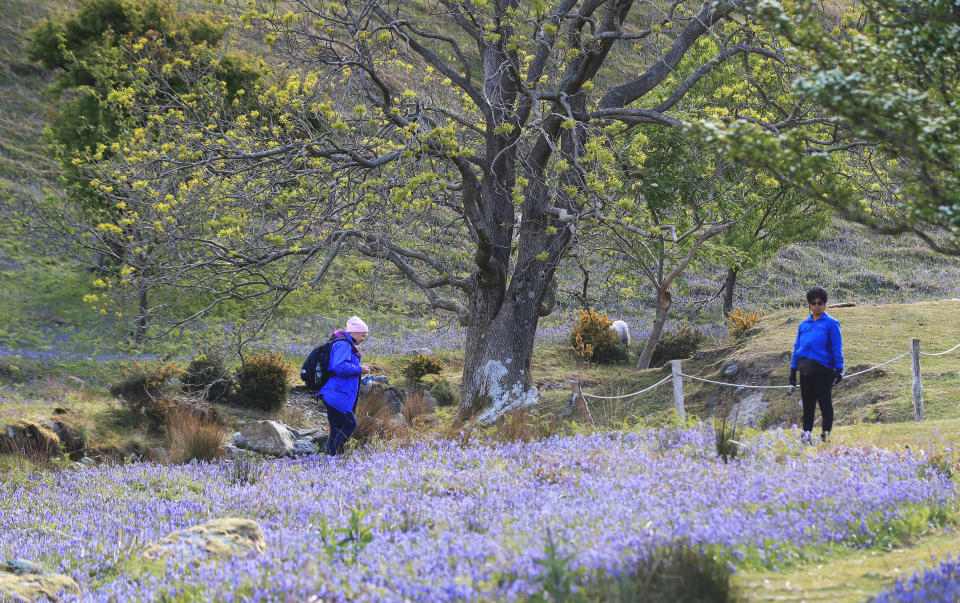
point(469, 522)
point(938, 585)
point(263, 381)
point(741, 322)
point(592, 340)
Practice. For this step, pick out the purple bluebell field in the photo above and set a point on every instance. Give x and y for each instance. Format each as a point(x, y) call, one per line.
point(468, 522)
point(938, 585)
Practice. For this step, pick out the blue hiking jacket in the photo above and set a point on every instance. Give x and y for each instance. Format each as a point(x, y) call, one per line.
point(340, 390)
point(819, 340)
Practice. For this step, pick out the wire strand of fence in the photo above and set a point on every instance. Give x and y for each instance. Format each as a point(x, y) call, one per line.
point(642, 391)
point(873, 368)
point(749, 386)
point(940, 353)
point(745, 385)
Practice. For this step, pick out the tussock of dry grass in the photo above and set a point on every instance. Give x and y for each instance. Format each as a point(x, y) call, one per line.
point(194, 437)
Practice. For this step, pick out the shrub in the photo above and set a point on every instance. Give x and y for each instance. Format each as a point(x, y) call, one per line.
point(741, 322)
point(442, 391)
point(262, 382)
point(419, 365)
point(191, 436)
point(592, 340)
point(676, 345)
point(673, 574)
point(149, 389)
point(207, 373)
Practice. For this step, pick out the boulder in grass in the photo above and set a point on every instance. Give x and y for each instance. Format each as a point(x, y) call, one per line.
point(215, 539)
point(304, 447)
point(317, 436)
point(20, 579)
point(268, 437)
point(376, 395)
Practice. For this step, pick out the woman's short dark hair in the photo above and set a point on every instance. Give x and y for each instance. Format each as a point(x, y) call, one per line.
point(816, 293)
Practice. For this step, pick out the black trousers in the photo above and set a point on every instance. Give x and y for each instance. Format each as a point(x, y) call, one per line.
point(815, 389)
point(342, 425)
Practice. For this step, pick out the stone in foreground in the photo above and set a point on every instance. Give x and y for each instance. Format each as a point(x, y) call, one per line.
point(20, 579)
point(215, 539)
point(268, 437)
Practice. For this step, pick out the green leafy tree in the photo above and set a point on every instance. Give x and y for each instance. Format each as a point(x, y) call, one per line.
point(98, 54)
point(465, 143)
point(887, 73)
point(684, 204)
point(783, 218)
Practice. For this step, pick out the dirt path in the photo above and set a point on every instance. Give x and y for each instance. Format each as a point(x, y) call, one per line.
point(851, 578)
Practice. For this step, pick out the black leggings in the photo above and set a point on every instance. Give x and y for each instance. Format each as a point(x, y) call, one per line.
point(817, 389)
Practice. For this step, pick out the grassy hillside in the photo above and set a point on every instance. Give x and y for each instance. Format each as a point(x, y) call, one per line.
point(872, 334)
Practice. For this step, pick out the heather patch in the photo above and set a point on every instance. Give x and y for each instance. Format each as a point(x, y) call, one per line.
point(438, 521)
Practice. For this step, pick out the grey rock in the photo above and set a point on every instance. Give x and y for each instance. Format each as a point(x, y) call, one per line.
point(731, 369)
point(395, 398)
point(230, 451)
point(238, 440)
point(699, 355)
point(24, 580)
point(429, 402)
point(160, 455)
point(747, 411)
point(740, 392)
point(412, 351)
point(316, 434)
point(87, 461)
point(790, 320)
point(215, 539)
point(382, 379)
point(304, 447)
point(268, 437)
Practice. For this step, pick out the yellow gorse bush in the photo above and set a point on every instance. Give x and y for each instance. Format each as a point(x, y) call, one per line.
point(592, 340)
point(741, 322)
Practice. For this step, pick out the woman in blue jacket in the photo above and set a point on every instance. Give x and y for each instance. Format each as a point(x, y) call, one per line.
point(339, 393)
point(818, 357)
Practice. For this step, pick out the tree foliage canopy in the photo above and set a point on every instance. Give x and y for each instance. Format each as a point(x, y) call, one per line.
point(465, 143)
point(887, 73)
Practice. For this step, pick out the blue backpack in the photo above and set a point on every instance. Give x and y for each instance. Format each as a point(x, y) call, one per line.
point(315, 370)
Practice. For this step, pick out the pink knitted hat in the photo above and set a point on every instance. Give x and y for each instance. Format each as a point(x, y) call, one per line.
point(355, 325)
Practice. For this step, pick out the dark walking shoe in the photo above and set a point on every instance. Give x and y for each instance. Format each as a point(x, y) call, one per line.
point(824, 436)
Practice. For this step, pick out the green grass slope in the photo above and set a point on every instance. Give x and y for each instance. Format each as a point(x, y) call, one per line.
point(872, 334)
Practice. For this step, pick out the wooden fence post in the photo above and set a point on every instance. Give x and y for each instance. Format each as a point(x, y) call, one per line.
point(677, 388)
point(917, 383)
point(580, 402)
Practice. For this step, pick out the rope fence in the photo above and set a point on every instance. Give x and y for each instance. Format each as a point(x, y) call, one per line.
point(677, 377)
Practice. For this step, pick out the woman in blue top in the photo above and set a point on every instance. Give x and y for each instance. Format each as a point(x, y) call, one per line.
point(339, 393)
point(818, 356)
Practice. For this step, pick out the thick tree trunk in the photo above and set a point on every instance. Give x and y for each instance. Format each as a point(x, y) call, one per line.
point(664, 301)
point(728, 289)
point(499, 346)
